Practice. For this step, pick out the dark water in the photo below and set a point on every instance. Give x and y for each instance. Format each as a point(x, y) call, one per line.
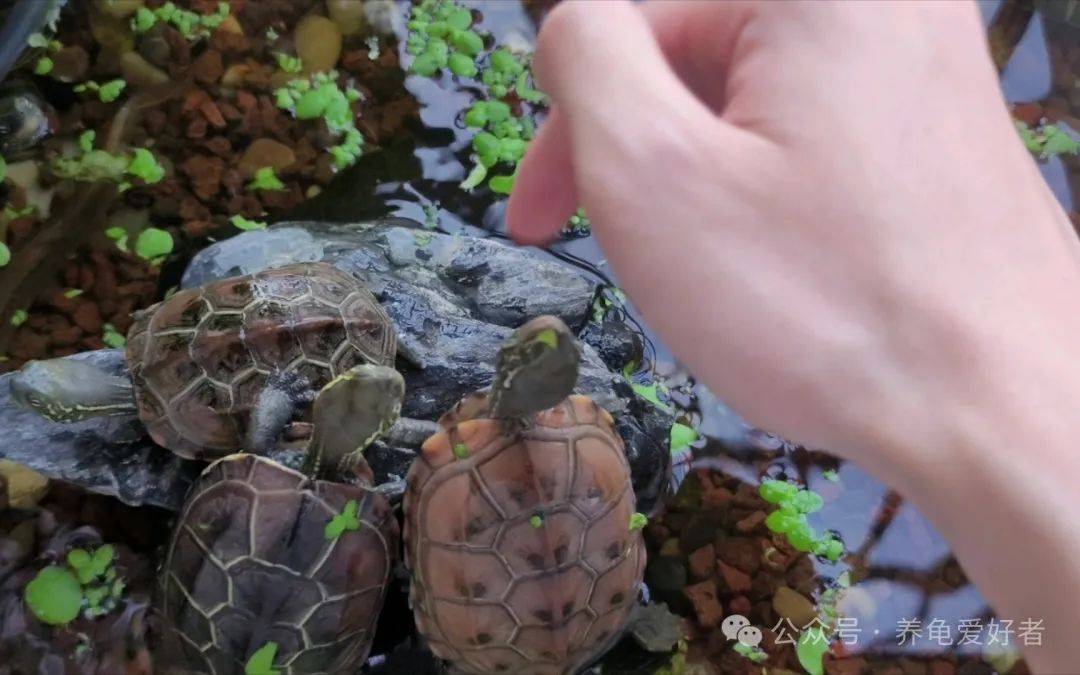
point(905, 569)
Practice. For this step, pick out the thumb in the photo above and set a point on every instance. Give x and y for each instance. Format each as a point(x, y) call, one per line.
point(617, 102)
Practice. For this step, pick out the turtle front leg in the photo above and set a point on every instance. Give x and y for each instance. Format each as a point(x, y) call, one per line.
point(281, 398)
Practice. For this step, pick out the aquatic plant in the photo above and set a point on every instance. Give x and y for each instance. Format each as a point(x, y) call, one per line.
point(288, 63)
point(321, 97)
point(638, 521)
point(682, 436)
point(262, 661)
point(153, 244)
point(88, 583)
point(242, 223)
point(192, 25)
point(112, 337)
point(1047, 140)
point(346, 521)
point(107, 93)
point(44, 64)
point(266, 179)
point(92, 165)
point(442, 37)
point(19, 317)
point(755, 653)
point(578, 224)
point(811, 648)
point(790, 518)
point(54, 596)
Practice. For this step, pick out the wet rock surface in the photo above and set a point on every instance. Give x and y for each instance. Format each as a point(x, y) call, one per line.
point(453, 300)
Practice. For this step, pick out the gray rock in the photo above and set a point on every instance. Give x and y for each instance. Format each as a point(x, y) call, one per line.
point(453, 300)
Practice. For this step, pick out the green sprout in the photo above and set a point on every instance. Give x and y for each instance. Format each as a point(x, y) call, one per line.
point(682, 436)
point(289, 63)
point(90, 566)
point(107, 93)
point(578, 224)
point(346, 521)
point(144, 165)
point(321, 97)
point(242, 223)
point(1047, 140)
point(755, 654)
point(192, 25)
point(153, 245)
point(54, 595)
point(261, 661)
point(266, 179)
point(92, 165)
point(19, 317)
point(120, 236)
point(638, 521)
point(811, 649)
point(112, 337)
point(790, 519)
point(43, 66)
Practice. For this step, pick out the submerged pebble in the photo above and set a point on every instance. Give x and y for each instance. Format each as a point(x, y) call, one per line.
point(347, 14)
point(318, 43)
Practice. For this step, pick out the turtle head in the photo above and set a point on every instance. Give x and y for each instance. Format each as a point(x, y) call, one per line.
point(537, 368)
point(349, 413)
point(67, 390)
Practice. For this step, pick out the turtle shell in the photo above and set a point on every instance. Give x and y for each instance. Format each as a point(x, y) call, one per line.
point(200, 358)
point(519, 543)
point(249, 563)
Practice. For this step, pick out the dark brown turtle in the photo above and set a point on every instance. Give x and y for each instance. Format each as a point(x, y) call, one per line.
point(228, 364)
point(267, 558)
point(520, 531)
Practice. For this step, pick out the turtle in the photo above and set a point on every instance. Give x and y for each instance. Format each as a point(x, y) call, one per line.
point(226, 365)
point(293, 563)
point(521, 536)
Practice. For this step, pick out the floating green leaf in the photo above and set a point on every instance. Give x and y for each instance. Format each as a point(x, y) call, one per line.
point(831, 475)
point(19, 317)
point(346, 521)
point(289, 63)
point(266, 179)
point(43, 66)
point(638, 521)
point(5, 254)
point(682, 436)
point(242, 223)
point(536, 521)
point(144, 165)
point(120, 236)
point(261, 661)
point(811, 650)
point(461, 451)
point(153, 244)
point(112, 337)
point(54, 595)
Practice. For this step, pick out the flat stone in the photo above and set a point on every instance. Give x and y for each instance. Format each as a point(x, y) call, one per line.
point(453, 300)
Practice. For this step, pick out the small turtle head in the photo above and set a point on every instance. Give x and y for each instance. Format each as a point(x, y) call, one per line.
point(350, 413)
point(42, 387)
point(70, 390)
point(537, 368)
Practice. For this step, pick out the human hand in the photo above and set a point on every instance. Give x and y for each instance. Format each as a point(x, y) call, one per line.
point(823, 208)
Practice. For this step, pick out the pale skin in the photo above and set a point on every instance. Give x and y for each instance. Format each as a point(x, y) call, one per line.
point(824, 209)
